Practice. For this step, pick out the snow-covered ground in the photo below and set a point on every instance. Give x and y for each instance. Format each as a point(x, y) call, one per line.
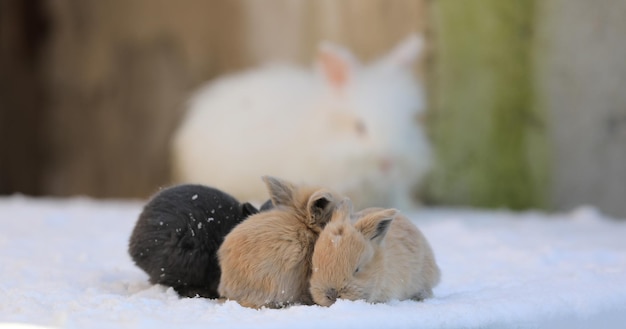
point(63, 263)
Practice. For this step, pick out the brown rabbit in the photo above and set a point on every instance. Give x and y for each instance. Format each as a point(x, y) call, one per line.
point(266, 259)
point(377, 256)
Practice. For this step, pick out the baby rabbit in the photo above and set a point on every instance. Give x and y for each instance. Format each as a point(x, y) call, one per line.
point(266, 260)
point(176, 237)
point(377, 256)
point(354, 128)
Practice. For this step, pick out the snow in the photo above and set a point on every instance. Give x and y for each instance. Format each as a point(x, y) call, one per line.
point(63, 263)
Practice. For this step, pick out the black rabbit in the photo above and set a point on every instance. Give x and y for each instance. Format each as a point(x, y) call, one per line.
point(178, 233)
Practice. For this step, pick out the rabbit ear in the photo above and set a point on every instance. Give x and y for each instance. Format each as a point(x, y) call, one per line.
point(267, 205)
point(281, 192)
point(336, 65)
point(406, 52)
point(343, 211)
point(319, 208)
point(248, 209)
point(375, 226)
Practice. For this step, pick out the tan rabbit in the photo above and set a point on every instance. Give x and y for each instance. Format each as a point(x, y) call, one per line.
point(377, 256)
point(266, 259)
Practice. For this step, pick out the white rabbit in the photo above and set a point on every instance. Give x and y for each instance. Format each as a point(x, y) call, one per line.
point(353, 128)
point(376, 255)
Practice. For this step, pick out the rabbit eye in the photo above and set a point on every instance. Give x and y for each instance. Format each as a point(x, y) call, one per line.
point(360, 128)
point(357, 270)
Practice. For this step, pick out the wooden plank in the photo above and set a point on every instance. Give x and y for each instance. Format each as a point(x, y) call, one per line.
point(22, 96)
point(582, 84)
point(486, 126)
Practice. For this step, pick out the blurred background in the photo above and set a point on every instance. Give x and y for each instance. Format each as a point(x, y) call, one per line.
point(526, 98)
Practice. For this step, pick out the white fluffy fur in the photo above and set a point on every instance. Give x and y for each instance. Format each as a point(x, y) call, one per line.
point(360, 136)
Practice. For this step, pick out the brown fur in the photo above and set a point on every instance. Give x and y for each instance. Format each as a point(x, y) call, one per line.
point(266, 260)
point(393, 258)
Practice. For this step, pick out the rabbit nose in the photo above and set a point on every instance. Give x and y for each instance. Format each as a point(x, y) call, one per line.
point(385, 164)
point(332, 294)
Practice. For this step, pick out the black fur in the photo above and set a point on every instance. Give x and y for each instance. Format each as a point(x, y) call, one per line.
point(178, 233)
point(267, 205)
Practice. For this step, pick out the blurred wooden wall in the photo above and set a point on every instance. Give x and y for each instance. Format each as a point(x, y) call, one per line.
point(526, 98)
point(529, 103)
point(23, 27)
point(581, 84)
point(490, 135)
point(116, 75)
